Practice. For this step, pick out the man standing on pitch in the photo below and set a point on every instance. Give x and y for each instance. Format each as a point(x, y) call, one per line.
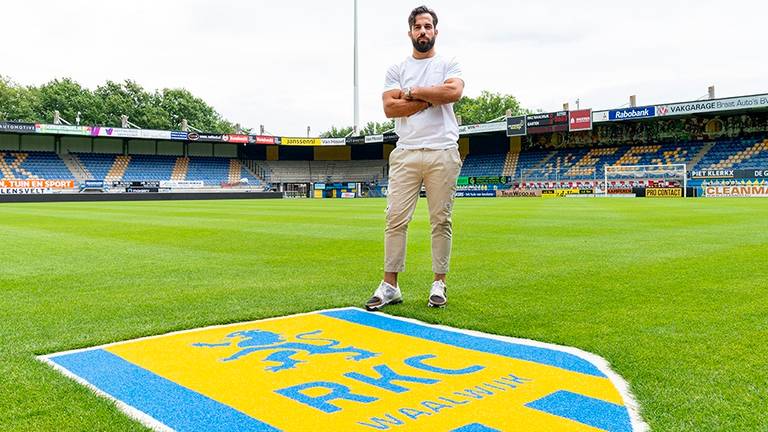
point(419, 94)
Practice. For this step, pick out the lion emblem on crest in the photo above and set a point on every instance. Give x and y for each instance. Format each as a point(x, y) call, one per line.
point(251, 341)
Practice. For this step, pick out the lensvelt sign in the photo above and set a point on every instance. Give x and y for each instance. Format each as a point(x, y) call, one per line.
point(351, 370)
point(24, 191)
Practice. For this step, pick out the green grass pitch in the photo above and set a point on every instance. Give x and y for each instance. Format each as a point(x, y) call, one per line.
point(673, 293)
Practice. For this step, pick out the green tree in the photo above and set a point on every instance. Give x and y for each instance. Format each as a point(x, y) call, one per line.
point(375, 128)
point(69, 98)
point(486, 107)
point(105, 105)
point(181, 104)
point(129, 98)
point(370, 128)
point(337, 133)
point(17, 103)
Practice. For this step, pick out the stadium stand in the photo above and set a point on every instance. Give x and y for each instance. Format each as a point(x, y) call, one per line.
point(510, 163)
point(483, 164)
point(246, 174)
point(98, 165)
point(531, 164)
point(323, 171)
point(589, 163)
point(180, 169)
point(735, 142)
point(142, 167)
point(736, 154)
point(33, 166)
point(211, 170)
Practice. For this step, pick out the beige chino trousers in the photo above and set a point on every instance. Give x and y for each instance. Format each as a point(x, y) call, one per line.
point(408, 169)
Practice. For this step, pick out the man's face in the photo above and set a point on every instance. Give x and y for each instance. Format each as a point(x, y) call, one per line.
point(423, 33)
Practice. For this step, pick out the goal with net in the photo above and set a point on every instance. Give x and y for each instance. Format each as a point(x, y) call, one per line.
point(668, 175)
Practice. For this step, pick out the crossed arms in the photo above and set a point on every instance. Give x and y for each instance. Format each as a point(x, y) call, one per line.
point(396, 104)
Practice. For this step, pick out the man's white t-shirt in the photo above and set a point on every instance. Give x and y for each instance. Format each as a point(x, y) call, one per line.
point(434, 128)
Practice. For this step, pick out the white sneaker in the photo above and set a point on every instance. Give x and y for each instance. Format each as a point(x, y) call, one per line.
point(437, 295)
point(385, 294)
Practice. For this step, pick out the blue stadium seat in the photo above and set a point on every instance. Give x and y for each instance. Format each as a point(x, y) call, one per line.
point(25, 165)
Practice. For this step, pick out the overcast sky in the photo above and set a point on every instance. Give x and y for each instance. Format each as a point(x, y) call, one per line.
point(288, 64)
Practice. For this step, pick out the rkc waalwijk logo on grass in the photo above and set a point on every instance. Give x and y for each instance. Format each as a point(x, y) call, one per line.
point(350, 370)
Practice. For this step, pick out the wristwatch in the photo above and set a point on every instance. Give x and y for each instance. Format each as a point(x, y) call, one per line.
point(408, 94)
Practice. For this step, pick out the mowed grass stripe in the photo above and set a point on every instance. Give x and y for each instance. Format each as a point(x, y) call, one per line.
point(671, 292)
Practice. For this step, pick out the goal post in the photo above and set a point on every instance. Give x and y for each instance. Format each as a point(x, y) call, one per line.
point(636, 173)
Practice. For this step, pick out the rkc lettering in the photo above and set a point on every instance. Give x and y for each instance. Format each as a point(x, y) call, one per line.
point(384, 381)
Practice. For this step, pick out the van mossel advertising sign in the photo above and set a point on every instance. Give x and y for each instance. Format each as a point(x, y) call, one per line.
point(333, 141)
point(352, 370)
point(369, 139)
point(632, 113)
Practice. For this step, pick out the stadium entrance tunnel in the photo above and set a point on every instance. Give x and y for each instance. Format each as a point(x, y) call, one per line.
point(351, 370)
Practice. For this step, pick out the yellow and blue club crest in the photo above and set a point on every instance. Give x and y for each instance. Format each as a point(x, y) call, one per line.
point(351, 370)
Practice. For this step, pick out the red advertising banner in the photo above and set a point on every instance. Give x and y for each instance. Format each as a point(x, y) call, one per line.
point(263, 139)
point(45, 184)
point(240, 139)
point(580, 120)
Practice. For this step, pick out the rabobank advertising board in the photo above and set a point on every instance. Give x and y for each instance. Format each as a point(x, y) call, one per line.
point(632, 113)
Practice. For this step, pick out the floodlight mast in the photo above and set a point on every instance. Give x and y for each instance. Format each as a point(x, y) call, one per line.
point(356, 126)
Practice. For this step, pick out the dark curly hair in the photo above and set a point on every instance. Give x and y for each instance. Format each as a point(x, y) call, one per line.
point(418, 11)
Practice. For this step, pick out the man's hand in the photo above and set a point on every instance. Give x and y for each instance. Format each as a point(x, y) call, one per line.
point(448, 92)
point(396, 105)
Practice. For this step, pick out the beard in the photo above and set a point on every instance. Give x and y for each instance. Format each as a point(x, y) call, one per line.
point(422, 46)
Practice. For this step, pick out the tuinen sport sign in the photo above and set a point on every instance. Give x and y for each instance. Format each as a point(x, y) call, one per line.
point(351, 370)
